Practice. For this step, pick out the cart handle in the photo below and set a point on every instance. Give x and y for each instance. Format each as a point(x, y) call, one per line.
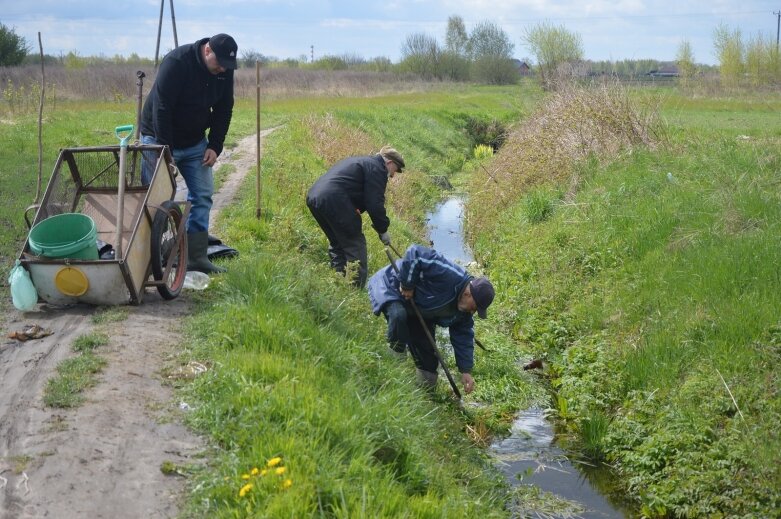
point(123, 133)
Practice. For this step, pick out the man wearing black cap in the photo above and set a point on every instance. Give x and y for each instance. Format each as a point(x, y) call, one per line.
point(338, 198)
point(193, 93)
point(445, 295)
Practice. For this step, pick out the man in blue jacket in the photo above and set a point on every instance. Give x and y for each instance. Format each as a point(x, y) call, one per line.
point(445, 294)
point(338, 198)
point(193, 93)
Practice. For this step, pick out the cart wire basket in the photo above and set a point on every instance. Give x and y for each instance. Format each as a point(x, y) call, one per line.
point(141, 241)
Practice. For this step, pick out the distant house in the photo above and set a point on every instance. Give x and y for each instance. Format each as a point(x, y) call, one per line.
point(522, 67)
point(664, 71)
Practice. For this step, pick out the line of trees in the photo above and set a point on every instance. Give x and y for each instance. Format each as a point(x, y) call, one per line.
point(484, 55)
point(755, 60)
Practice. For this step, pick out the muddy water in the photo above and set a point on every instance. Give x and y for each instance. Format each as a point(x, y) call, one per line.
point(529, 455)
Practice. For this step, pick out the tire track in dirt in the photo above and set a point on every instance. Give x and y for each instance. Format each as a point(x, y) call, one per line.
point(103, 458)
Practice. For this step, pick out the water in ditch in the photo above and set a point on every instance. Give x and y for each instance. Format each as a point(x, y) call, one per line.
point(530, 455)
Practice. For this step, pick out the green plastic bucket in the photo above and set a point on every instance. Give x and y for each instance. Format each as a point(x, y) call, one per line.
point(67, 235)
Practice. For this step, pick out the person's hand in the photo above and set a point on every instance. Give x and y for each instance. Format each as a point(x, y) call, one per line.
point(407, 293)
point(210, 157)
point(385, 238)
point(469, 383)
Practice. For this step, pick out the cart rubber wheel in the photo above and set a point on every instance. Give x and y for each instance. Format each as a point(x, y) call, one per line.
point(165, 231)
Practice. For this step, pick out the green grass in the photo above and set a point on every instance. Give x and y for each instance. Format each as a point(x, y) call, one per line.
point(74, 375)
point(109, 314)
point(656, 280)
point(298, 369)
point(90, 341)
point(300, 373)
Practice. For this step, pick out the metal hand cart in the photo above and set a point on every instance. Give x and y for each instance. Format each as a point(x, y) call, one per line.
point(140, 229)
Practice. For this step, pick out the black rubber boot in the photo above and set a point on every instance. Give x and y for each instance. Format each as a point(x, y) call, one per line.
point(197, 243)
point(427, 379)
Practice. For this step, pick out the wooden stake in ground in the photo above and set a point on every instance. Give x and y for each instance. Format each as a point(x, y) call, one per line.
point(257, 142)
point(40, 125)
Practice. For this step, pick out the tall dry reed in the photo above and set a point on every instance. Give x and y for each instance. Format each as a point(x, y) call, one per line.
point(573, 124)
point(117, 82)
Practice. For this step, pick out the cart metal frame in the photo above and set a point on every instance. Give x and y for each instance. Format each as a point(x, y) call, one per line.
point(152, 241)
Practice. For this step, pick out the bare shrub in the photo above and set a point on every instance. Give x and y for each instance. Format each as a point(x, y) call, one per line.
point(574, 124)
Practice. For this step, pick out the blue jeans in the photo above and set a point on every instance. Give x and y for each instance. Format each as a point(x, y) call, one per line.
point(198, 178)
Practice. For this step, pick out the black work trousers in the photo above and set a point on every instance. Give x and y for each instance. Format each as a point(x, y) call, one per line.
point(404, 328)
point(346, 242)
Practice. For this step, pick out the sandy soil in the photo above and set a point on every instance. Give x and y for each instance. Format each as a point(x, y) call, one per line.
point(102, 459)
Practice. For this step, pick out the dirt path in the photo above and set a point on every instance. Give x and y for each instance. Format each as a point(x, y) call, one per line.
point(102, 459)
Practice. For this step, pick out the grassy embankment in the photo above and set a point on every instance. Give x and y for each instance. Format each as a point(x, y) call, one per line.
point(646, 272)
point(298, 369)
point(297, 365)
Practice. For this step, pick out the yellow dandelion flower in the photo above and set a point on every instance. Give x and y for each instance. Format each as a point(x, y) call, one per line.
point(245, 476)
point(280, 470)
point(246, 488)
point(254, 471)
point(287, 483)
point(263, 472)
point(273, 462)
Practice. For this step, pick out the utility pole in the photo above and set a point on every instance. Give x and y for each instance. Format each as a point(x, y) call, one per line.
point(173, 22)
point(160, 28)
point(312, 53)
point(778, 26)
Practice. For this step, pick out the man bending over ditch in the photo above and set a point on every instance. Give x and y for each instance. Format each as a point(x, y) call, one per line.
point(445, 295)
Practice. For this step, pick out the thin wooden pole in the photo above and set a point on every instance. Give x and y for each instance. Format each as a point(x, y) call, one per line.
point(40, 125)
point(257, 140)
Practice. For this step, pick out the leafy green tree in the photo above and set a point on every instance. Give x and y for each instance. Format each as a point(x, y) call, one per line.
point(13, 48)
point(454, 66)
point(491, 51)
point(762, 64)
point(730, 53)
point(553, 47)
point(378, 64)
point(456, 37)
point(757, 60)
point(774, 64)
point(330, 63)
point(684, 58)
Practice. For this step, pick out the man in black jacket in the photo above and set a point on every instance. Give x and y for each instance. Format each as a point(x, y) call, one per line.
point(193, 93)
point(338, 198)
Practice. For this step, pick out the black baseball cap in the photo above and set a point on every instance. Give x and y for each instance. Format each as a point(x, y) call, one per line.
point(483, 293)
point(225, 48)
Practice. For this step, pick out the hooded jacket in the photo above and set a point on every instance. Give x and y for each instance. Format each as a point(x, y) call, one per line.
point(438, 282)
point(186, 100)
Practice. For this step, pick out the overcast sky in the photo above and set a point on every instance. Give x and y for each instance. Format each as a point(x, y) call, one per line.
point(611, 30)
